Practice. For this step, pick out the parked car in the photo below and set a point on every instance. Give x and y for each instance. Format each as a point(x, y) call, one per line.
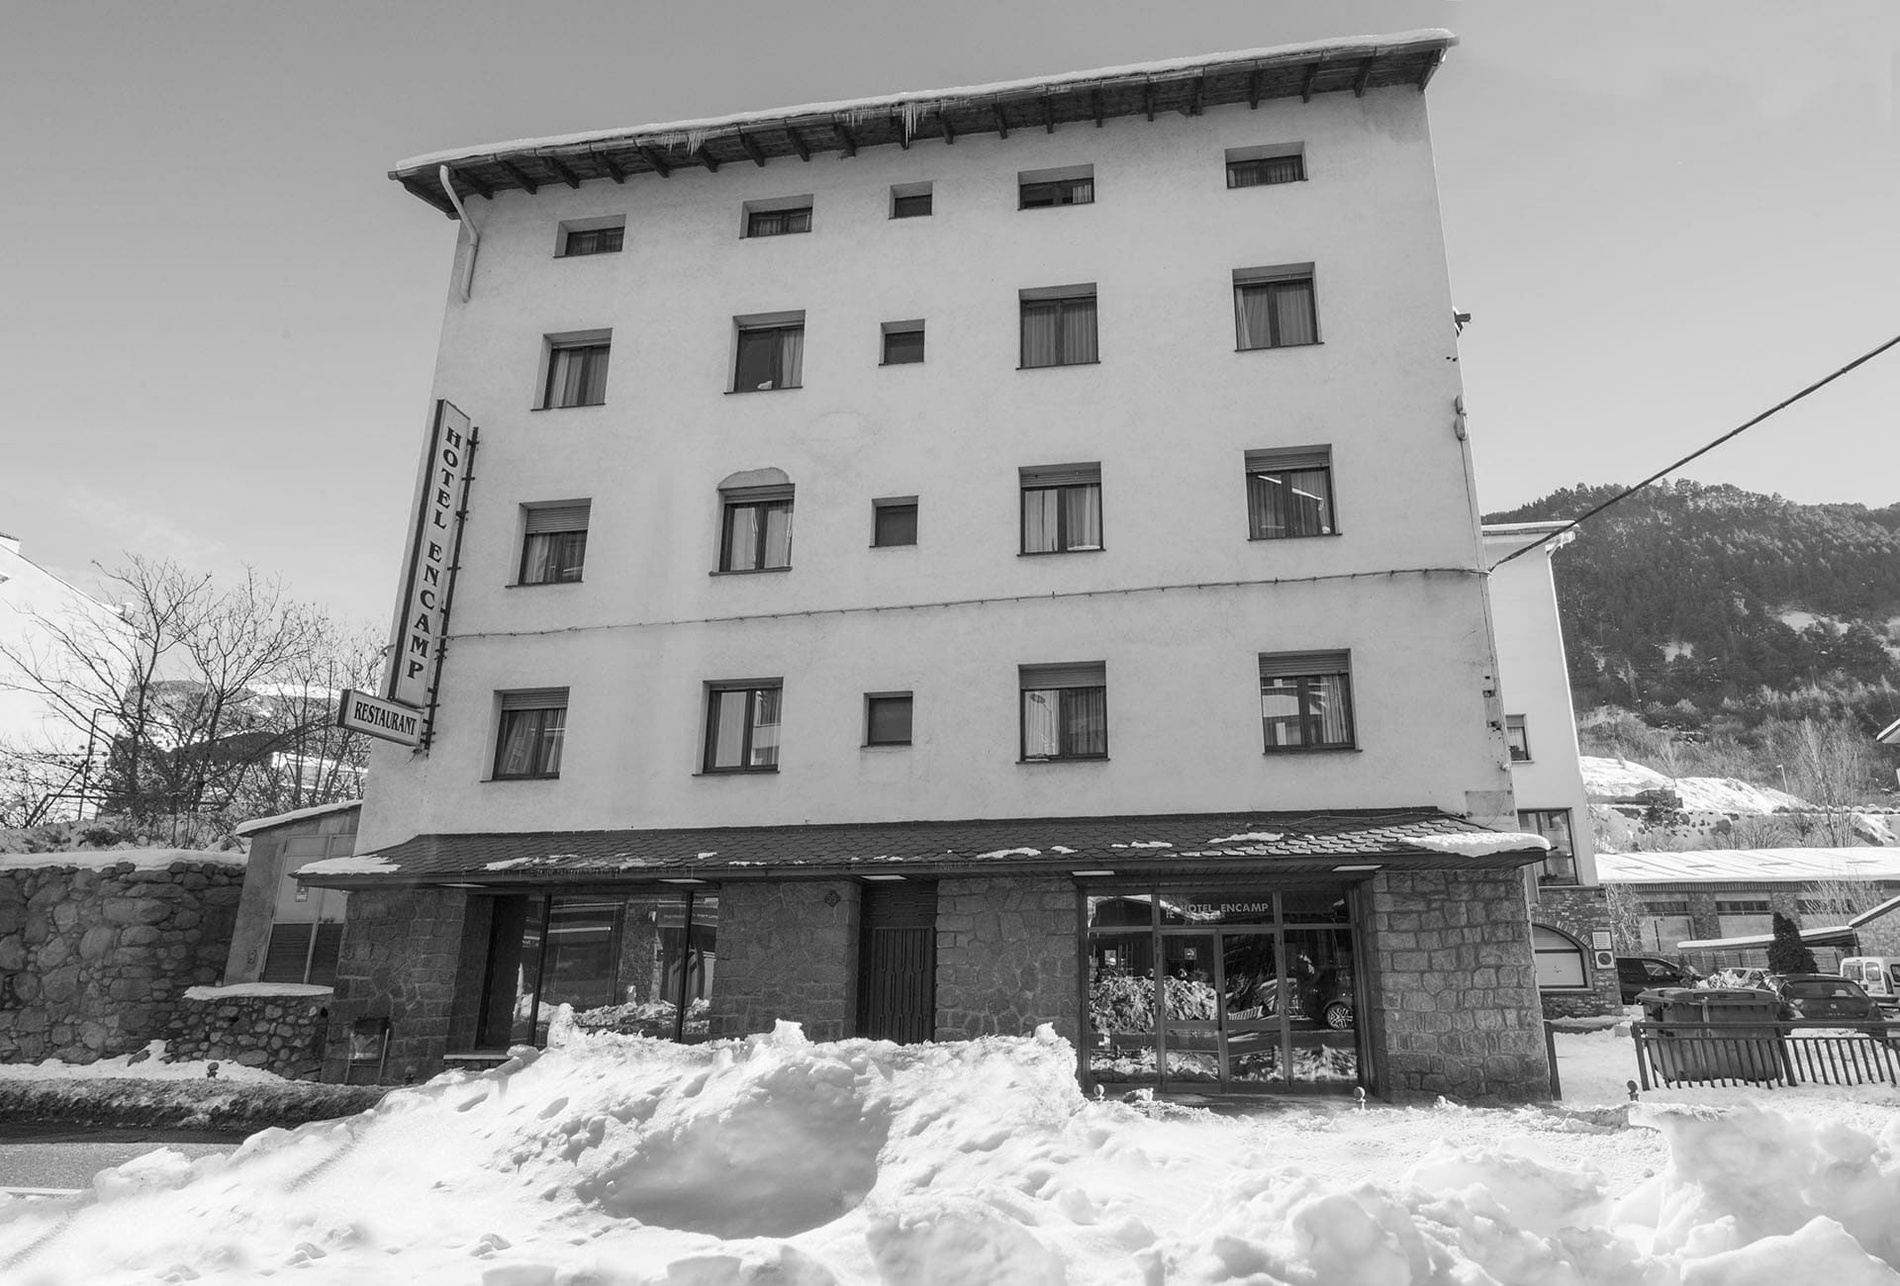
point(1329, 998)
point(1879, 976)
point(1640, 973)
point(1822, 995)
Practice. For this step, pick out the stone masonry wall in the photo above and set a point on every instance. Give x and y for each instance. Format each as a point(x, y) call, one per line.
point(94, 958)
point(1579, 912)
point(400, 955)
point(282, 1034)
point(1455, 1003)
point(786, 951)
point(1006, 958)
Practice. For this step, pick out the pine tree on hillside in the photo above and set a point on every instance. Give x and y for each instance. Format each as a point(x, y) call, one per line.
point(1787, 953)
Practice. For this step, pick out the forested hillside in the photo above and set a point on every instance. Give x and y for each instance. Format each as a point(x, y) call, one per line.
point(1710, 607)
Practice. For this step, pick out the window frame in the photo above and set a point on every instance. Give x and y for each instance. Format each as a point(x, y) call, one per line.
point(761, 499)
point(1283, 462)
point(871, 700)
point(1304, 670)
point(1239, 158)
point(529, 535)
point(1271, 279)
point(911, 192)
point(1062, 185)
point(1080, 678)
point(777, 325)
point(1059, 479)
point(594, 228)
point(553, 347)
point(893, 504)
point(752, 688)
point(1573, 948)
point(1565, 874)
point(1062, 298)
point(787, 207)
point(889, 330)
point(1517, 738)
point(546, 754)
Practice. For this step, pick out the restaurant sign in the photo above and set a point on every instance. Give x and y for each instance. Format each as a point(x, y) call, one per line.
point(422, 606)
point(361, 712)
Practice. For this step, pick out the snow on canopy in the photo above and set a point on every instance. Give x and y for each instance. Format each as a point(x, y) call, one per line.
point(622, 1161)
point(1474, 844)
point(356, 864)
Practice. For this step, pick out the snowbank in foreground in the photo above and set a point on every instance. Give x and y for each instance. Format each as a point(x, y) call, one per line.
point(618, 1160)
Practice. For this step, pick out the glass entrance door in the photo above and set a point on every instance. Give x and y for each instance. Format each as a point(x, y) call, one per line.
point(1253, 1007)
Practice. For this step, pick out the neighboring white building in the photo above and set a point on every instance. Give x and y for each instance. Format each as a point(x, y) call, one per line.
point(42, 750)
point(1083, 455)
point(1575, 957)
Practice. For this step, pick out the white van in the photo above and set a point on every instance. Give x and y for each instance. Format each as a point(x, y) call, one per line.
point(1879, 976)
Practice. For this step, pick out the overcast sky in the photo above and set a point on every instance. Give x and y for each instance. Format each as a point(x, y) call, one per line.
point(218, 318)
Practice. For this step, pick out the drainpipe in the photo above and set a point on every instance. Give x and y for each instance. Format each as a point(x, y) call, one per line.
point(474, 237)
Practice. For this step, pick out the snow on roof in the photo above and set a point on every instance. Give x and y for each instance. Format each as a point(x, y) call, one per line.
point(1831, 936)
point(239, 990)
point(369, 864)
point(297, 815)
point(143, 859)
point(1343, 47)
point(1475, 845)
point(1798, 865)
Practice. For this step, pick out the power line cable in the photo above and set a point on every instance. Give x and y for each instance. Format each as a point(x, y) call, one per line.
point(1700, 451)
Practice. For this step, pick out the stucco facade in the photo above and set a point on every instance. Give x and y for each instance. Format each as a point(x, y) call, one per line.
point(1187, 860)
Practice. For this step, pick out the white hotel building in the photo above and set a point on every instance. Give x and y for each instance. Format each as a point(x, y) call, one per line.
point(950, 562)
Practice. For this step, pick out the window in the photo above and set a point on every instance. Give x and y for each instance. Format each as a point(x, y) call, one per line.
point(528, 743)
point(778, 218)
point(1273, 307)
point(1065, 711)
point(1559, 959)
point(1290, 493)
point(770, 354)
point(1560, 864)
point(553, 543)
point(1519, 738)
point(1743, 906)
point(1058, 326)
point(1071, 185)
point(577, 371)
point(887, 718)
point(910, 200)
point(592, 237)
point(1251, 167)
point(894, 522)
point(1306, 700)
point(903, 342)
point(1666, 908)
point(742, 725)
point(755, 529)
point(1062, 508)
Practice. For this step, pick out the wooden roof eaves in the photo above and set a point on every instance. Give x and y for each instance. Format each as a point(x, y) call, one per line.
point(1190, 90)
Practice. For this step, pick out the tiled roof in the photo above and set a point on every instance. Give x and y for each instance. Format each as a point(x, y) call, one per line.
point(1194, 844)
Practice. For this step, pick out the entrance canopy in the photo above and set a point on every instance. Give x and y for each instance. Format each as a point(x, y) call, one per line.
point(1348, 843)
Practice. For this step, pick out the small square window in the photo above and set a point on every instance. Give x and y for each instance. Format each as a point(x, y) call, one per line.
point(553, 543)
point(1252, 167)
point(911, 201)
point(1064, 711)
point(756, 529)
point(887, 719)
point(1274, 308)
point(903, 343)
point(742, 726)
point(769, 356)
point(1306, 700)
point(532, 728)
point(1290, 493)
point(1560, 863)
point(592, 237)
point(778, 218)
point(1062, 508)
point(1519, 738)
point(1058, 327)
point(1041, 189)
point(894, 522)
point(577, 373)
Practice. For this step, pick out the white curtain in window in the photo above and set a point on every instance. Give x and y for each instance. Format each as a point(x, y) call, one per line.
point(1042, 722)
point(778, 534)
point(791, 357)
point(1041, 507)
point(1332, 707)
point(742, 538)
point(537, 560)
point(765, 728)
point(1082, 516)
point(728, 715)
point(1293, 312)
point(1042, 333)
point(1086, 718)
point(1078, 331)
point(1250, 316)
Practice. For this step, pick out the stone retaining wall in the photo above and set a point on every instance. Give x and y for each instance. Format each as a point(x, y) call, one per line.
point(787, 951)
point(94, 958)
point(1006, 958)
point(1456, 1009)
point(282, 1034)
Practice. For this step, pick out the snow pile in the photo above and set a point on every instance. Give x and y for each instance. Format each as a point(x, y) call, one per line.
point(147, 1064)
point(243, 990)
point(140, 859)
point(1605, 778)
point(620, 1161)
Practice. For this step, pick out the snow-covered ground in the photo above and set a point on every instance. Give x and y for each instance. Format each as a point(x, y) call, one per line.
point(1605, 778)
point(147, 1064)
point(613, 1159)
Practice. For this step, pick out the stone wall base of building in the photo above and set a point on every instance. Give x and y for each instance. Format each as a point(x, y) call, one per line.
point(401, 954)
point(1006, 958)
point(1580, 912)
point(787, 951)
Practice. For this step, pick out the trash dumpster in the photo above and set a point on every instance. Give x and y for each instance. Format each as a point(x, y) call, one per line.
point(1712, 1035)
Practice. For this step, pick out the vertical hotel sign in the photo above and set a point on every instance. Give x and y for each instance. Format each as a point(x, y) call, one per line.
point(428, 582)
